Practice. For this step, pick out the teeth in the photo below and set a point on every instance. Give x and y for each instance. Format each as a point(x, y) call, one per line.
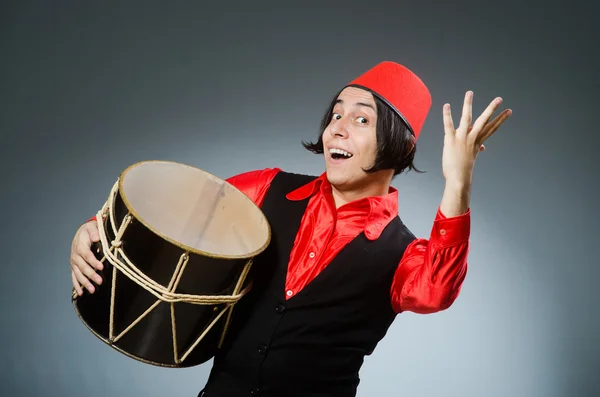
point(340, 151)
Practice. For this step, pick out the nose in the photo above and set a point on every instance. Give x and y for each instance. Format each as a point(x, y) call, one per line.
point(339, 128)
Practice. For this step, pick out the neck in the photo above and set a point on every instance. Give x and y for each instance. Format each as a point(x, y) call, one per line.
point(378, 185)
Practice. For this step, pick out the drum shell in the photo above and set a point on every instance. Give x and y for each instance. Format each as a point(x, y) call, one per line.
point(151, 339)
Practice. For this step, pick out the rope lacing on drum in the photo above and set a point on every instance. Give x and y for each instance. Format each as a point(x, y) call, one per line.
point(113, 253)
point(129, 269)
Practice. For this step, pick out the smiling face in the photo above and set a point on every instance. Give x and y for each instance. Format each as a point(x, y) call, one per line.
point(350, 143)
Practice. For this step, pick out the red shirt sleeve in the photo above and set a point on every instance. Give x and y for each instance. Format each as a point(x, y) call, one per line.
point(431, 272)
point(253, 184)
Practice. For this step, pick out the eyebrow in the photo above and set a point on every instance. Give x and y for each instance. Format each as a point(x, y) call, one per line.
point(359, 104)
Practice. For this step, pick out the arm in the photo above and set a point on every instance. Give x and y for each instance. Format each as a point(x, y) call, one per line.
point(431, 272)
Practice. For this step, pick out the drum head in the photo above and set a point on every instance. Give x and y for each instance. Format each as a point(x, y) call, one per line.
point(194, 210)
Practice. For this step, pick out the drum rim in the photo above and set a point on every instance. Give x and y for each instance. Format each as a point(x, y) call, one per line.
point(178, 244)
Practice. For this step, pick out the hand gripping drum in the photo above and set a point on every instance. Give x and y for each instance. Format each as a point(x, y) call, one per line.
point(177, 244)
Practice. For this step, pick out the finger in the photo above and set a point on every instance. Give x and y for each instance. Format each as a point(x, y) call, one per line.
point(467, 114)
point(91, 259)
point(86, 269)
point(482, 120)
point(76, 283)
point(494, 125)
point(83, 281)
point(93, 233)
point(448, 123)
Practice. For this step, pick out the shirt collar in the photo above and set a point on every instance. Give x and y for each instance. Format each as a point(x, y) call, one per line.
point(378, 211)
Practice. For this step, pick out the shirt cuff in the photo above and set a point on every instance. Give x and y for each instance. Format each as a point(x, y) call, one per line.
point(451, 231)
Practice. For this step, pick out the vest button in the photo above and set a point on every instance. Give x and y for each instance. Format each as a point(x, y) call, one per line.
point(280, 308)
point(255, 392)
point(262, 349)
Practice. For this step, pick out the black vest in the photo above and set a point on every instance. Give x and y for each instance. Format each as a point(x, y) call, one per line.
point(314, 343)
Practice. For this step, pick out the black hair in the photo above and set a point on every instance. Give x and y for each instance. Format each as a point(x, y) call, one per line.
point(396, 144)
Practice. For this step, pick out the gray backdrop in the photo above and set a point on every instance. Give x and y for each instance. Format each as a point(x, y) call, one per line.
point(89, 88)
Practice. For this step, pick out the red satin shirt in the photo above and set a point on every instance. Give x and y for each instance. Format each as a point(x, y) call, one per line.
point(431, 272)
point(429, 275)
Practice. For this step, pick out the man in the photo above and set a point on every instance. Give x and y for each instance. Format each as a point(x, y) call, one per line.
point(341, 264)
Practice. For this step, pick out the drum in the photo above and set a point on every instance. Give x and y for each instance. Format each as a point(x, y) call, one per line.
point(177, 244)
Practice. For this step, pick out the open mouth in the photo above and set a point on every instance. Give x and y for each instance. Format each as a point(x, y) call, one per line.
point(339, 154)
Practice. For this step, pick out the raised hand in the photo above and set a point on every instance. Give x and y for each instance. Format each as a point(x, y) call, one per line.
point(461, 147)
point(463, 144)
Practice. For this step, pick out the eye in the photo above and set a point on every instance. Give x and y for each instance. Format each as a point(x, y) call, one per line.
point(336, 116)
point(362, 120)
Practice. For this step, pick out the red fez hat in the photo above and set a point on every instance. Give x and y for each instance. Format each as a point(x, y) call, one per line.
point(401, 89)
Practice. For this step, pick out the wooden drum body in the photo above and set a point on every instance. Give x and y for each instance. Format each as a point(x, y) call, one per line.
point(177, 244)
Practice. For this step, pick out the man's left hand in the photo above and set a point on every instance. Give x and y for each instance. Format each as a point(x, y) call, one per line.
point(462, 145)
